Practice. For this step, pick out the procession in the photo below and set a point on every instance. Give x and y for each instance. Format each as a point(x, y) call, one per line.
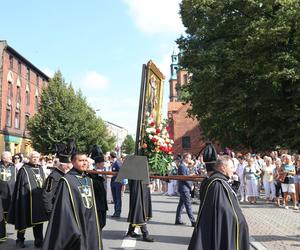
point(150, 125)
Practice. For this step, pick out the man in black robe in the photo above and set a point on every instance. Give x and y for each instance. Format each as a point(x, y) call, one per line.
point(8, 175)
point(27, 209)
point(140, 209)
point(74, 224)
point(100, 191)
point(3, 236)
point(220, 223)
point(51, 183)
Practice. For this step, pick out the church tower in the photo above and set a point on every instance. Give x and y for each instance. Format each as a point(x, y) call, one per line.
point(173, 79)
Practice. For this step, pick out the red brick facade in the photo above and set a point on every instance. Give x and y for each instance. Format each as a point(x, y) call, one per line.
point(186, 131)
point(21, 86)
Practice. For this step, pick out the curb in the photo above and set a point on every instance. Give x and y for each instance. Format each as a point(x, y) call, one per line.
point(256, 245)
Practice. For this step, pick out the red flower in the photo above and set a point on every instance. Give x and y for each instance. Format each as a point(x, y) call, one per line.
point(144, 145)
point(152, 124)
point(153, 139)
point(157, 131)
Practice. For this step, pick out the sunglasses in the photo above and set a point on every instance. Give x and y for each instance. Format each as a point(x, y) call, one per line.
point(17, 157)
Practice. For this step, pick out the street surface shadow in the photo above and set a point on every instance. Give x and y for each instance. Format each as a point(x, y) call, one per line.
point(180, 240)
point(10, 244)
point(113, 234)
point(265, 238)
point(171, 212)
point(173, 202)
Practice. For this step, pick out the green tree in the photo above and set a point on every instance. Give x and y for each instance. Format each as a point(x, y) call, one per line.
point(128, 145)
point(65, 114)
point(244, 61)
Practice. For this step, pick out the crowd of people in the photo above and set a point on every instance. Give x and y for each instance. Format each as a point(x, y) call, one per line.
point(39, 188)
point(58, 189)
point(273, 177)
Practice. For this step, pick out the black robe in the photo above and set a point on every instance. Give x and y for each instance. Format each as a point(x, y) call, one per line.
point(100, 197)
point(73, 224)
point(220, 223)
point(7, 186)
point(27, 207)
point(140, 206)
point(49, 190)
point(3, 235)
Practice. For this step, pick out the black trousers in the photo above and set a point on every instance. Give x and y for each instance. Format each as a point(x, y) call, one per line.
point(37, 233)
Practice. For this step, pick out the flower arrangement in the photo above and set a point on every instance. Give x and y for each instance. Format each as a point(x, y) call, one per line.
point(157, 145)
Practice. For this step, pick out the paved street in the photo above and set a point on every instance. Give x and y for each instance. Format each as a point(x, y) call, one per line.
point(273, 228)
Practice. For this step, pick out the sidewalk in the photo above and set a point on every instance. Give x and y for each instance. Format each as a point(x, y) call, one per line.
point(273, 227)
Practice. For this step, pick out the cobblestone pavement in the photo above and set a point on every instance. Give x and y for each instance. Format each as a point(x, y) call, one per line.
point(273, 227)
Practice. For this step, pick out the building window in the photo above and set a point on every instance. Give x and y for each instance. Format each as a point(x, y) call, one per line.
point(18, 94)
point(36, 103)
point(27, 97)
point(186, 142)
point(17, 120)
point(8, 117)
point(19, 68)
point(28, 74)
point(26, 120)
point(10, 90)
point(37, 80)
point(11, 62)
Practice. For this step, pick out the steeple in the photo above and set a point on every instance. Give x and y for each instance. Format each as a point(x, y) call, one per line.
point(174, 66)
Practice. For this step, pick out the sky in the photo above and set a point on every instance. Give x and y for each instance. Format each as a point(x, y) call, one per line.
point(98, 45)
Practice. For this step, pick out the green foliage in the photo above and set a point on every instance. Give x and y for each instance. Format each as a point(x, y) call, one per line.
point(65, 114)
point(128, 145)
point(244, 60)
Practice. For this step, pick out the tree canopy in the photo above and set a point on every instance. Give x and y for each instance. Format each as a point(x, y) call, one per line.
point(128, 145)
point(63, 114)
point(244, 63)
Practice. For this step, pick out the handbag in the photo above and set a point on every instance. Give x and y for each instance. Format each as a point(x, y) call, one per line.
point(282, 177)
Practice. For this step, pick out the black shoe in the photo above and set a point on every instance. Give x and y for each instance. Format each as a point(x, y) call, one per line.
point(194, 224)
point(20, 244)
point(179, 223)
point(115, 216)
point(148, 239)
point(133, 235)
point(38, 244)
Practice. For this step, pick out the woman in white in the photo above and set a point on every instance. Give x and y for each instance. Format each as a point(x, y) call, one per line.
point(268, 178)
point(107, 166)
point(250, 173)
point(240, 172)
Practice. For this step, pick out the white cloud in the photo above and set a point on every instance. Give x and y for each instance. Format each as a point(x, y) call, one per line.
point(118, 110)
point(48, 72)
point(94, 81)
point(156, 16)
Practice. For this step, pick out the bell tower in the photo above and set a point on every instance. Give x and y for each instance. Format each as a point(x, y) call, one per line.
point(173, 80)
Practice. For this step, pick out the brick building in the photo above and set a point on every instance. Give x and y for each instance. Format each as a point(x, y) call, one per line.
point(21, 84)
point(186, 131)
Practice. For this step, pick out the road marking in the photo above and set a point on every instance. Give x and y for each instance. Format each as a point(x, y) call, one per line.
point(256, 245)
point(128, 243)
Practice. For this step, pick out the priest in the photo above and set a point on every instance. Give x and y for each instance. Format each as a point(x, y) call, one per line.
point(74, 221)
point(140, 209)
point(51, 183)
point(220, 223)
point(27, 209)
point(8, 176)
